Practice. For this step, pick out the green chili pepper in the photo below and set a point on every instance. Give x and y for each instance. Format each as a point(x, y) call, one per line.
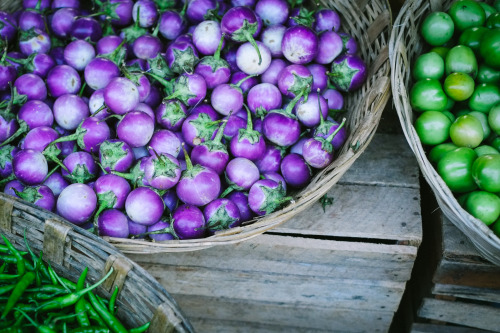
point(5, 249)
point(112, 301)
point(57, 278)
point(47, 288)
point(90, 329)
point(18, 291)
point(93, 315)
point(70, 299)
point(21, 268)
point(82, 316)
point(140, 329)
point(9, 276)
point(6, 288)
point(39, 327)
point(111, 321)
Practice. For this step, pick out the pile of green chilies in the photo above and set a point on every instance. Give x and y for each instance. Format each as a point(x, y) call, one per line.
point(34, 298)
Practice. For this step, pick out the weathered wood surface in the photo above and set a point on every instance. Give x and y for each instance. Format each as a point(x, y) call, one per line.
point(435, 328)
point(462, 272)
point(460, 313)
point(340, 271)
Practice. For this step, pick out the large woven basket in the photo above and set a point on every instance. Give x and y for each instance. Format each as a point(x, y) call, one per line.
point(405, 45)
point(370, 24)
point(69, 249)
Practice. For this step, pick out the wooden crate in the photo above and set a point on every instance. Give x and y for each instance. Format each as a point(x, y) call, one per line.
point(343, 270)
point(465, 294)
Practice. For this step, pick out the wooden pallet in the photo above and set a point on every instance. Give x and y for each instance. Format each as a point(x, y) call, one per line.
point(342, 270)
point(466, 287)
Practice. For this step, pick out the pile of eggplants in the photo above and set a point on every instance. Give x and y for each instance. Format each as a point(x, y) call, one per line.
point(170, 120)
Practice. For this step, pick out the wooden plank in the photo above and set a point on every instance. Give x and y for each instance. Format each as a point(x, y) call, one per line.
point(387, 161)
point(457, 246)
point(367, 212)
point(223, 315)
point(482, 294)
point(302, 256)
point(435, 328)
point(461, 313)
point(271, 287)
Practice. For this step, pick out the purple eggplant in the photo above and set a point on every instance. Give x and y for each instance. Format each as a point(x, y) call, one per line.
point(241, 174)
point(77, 203)
point(309, 112)
point(281, 127)
point(32, 86)
point(99, 72)
point(39, 138)
point(278, 178)
point(36, 113)
point(36, 63)
point(112, 191)
point(170, 199)
point(40, 195)
point(34, 40)
point(162, 171)
point(198, 185)
point(200, 126)
point(79, 167)
point(78, 54)
point(8, 73)
point(12, 185)
point(97, 106)
point(331, 47)
point(221, 214)
point(164, 142)
point(247, 84)
point(248, 143)
point(266, 196)
point(63, 79)
point(89, 134)
point(62, 20)
point(240, 199)
point(271, 160)
point(135, 128)
point(272, 37)
point(253, 61)
point(212, 153)
point(334, 98)
point(326, 128)
point(181, 57)
point(271, 75)
point(295, 79)
point(348, 72)
point(121, 95)
point(240, 25)
point(118, 12)
point(228, 98)
point(69, 111)
point(350, 44)
point(144, 206)
point(30, 166)
point(300, 45)
point(196, 10)
point(188, 222)
point(272, 12)
point(161, 231)
point(171, 114)
point(326, 19)
point(113, 223)
point(115, 155)
point(56, 183)
point(295, 170)
point(206, 37)
point(145, 12)
point(190, 89)
point(214, 69)
point(318, 152)
point(263, 98)
point(171, 24)
point(8, 26)
point(86, 28)
point(233, 126)
point(320, 77)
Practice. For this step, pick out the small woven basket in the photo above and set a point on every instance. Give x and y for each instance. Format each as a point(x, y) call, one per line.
point(369, 22)
point(69, 249)
point(405, 45)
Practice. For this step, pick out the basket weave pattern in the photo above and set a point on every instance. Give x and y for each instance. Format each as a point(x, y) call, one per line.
point(369, 22)
point(405, 45)
point(69, 249)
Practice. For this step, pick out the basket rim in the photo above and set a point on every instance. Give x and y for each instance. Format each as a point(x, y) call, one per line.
point(483, 238)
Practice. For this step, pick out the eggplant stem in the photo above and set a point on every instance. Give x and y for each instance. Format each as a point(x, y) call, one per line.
point(252, 41)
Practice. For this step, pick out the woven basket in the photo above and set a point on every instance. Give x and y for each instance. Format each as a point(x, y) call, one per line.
point(370, 24)
point(405, 45)
point(69, 249)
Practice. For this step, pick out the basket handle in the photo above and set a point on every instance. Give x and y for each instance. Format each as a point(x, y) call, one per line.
point(121, 267)
point(54, 241)
point(165, 320)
